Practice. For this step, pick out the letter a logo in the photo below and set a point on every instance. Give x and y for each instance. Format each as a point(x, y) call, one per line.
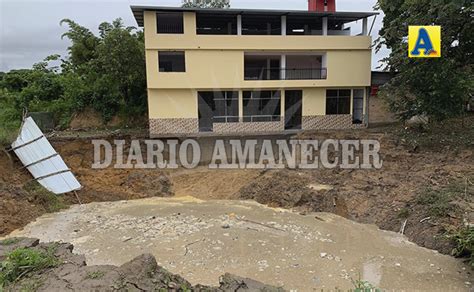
point(424, 41)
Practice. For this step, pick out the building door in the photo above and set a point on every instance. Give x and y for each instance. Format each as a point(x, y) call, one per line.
point(358, 106)
point(293, 109)
point(206, 108)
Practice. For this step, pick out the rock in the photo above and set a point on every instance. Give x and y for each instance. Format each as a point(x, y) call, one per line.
point(230, 282)
point(140, 274)
point(140, 266)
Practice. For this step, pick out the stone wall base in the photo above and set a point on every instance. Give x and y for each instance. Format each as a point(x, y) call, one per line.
point(190, 127)
point(330, 122)
point(173, 127)
point(250, 127)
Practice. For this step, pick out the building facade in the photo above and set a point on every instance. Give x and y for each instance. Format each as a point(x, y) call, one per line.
point(234, 71)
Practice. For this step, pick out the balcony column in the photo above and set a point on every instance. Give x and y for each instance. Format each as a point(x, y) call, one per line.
point(325, 26)
point(241, 106)
point(283, 67)
point(239, 24)
point(283, 25)
point(269, 68)
point(365, 26)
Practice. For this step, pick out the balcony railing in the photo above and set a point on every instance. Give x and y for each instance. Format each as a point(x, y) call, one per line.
point(285, 74)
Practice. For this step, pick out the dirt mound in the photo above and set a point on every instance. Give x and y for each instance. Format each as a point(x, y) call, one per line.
point(286, 189)
point(70, 273)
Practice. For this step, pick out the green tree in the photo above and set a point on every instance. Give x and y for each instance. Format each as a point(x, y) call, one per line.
point(107, 71)
point(104, 71)
point(15, 80)
point(438, 87)
point(83, 48)
point(206, 3)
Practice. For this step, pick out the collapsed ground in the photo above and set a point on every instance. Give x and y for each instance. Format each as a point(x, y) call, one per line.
point(425, 186)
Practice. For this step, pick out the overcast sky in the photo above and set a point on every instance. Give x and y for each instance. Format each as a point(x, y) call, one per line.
point(30, 30)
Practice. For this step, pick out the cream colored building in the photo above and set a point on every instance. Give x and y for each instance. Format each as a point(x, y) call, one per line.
point(238, 71)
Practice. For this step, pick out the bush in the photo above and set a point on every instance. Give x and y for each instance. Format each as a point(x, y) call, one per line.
point(464, 241)
point(10, 118)
point(23, 261)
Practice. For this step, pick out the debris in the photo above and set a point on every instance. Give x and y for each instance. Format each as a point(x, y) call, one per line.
point(127, 239)
point(261, 224)
point(402, 230)
point(425, 219)
point(189, 244)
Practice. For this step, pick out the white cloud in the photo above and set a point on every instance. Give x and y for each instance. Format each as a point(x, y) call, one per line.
point(30, 30)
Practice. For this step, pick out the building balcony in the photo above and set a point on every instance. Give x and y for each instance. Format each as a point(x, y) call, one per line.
point(252, 74)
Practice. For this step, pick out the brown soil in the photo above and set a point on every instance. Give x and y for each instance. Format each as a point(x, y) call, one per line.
point(20, 205)
point(385, 197)
point(91, 119)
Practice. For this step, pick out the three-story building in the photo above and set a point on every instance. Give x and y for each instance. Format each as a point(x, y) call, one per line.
point(249, 71)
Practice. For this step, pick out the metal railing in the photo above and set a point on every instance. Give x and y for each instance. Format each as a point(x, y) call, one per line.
point(261, 118)
point(285, 74)
point(225, 119)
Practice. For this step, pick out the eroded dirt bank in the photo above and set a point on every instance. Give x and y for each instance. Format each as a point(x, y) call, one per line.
point(200, 240)
point(431, 189)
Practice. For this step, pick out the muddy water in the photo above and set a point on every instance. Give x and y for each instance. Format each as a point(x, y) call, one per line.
point(201, 240)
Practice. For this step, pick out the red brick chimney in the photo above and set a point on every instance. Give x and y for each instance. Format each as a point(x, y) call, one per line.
point(322, 5)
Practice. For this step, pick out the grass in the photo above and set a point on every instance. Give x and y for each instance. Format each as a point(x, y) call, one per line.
point(440, 201)
point(9, 241)
point(51, 202)
point(95, 275)
point(364, 286)
point(464, 242)
point(23, 261)
point(438, 136)
point(403, 213)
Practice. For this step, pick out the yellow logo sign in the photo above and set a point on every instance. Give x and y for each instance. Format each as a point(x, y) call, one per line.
point(424, 41)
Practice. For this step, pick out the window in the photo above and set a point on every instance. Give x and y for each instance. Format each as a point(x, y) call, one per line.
point(338, 102)
point(219, 106)
point(261, 25)
point(169, 22)
point(262, 106)
point(171, 62)
point(216, 24)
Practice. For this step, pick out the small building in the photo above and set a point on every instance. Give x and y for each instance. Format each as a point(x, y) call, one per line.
point(254, 71)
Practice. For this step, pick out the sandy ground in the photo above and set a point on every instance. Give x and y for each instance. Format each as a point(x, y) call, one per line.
point(201, 240)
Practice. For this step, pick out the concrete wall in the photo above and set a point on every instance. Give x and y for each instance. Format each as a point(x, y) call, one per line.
point(172, 103)
point(379, 112)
